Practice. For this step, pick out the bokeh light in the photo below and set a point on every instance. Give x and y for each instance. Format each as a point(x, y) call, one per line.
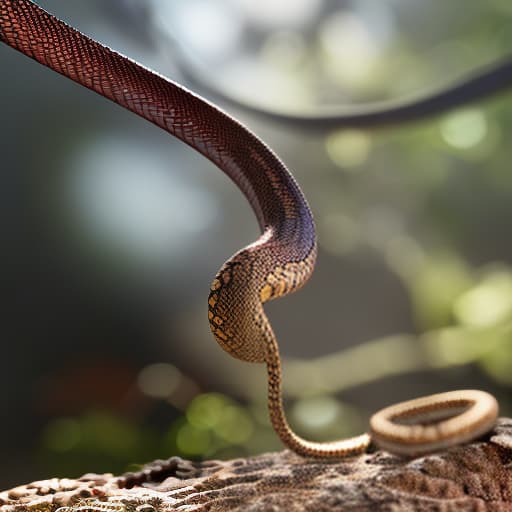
point(159, 380)
point(127, 196)
point(464, 129)
point(349, 149)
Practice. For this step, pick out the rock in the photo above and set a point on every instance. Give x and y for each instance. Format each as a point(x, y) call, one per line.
point(474, 477)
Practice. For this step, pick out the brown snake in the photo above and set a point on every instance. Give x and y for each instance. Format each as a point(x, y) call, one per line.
point(279, 262)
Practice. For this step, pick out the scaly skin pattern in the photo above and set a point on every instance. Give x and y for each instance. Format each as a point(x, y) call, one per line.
point(433, 423)
point(277, 263)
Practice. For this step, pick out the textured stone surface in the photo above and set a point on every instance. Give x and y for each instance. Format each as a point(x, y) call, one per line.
point(475, 477)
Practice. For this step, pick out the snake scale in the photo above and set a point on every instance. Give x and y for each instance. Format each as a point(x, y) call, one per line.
point(279, 262)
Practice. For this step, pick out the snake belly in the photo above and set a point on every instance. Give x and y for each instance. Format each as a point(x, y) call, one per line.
point(279, 262)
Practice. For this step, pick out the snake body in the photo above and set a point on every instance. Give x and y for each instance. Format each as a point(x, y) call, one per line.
point(279, 262)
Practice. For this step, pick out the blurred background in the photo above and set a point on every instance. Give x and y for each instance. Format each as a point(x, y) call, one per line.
point(112, 231)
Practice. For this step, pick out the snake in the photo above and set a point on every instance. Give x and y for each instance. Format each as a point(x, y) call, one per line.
point(278, 262)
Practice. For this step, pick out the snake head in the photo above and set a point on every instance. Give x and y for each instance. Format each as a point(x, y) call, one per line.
point(247, 280)
point(235, 310)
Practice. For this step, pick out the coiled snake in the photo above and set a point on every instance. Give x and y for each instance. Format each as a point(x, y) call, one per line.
point(279, 262)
